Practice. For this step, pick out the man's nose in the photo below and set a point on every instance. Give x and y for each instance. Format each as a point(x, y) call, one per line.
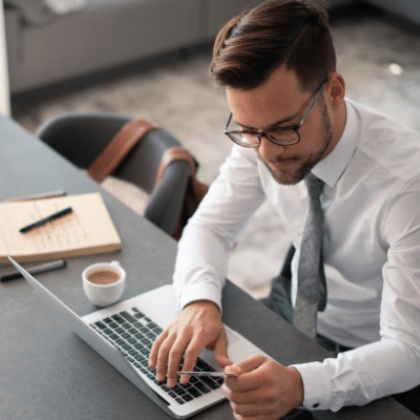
point(268, 149)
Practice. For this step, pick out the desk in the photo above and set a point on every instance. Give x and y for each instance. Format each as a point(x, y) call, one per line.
point(46, 372)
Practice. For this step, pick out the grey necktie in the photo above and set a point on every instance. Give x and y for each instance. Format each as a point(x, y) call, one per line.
point(311, 294)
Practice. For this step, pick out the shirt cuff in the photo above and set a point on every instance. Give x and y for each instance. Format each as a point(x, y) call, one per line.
point(316, 385)
point(199, 292)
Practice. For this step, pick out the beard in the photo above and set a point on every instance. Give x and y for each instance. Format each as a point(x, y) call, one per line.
point(293, 169)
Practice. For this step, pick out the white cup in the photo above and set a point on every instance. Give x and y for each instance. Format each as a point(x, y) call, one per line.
point(104, 283)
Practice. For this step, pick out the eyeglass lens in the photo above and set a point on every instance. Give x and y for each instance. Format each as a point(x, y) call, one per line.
point(282, 136)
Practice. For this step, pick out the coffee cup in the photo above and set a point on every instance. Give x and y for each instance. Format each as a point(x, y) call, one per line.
point(104, 283)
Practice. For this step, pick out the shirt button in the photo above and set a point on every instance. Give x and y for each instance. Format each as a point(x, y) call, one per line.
point(315, 405)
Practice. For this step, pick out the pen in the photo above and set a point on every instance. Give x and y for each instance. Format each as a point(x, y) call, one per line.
point(47, 219)
point(42, 268)
point(39, 196)
point(204, 373)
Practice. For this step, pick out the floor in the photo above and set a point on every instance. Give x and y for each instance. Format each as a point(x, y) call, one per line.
point(377, 54)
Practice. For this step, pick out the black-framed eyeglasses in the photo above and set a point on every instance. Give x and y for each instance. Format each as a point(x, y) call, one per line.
point(283, 136)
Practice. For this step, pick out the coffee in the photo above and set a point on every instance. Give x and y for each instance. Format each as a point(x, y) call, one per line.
point(103, 276)
point(104, 282)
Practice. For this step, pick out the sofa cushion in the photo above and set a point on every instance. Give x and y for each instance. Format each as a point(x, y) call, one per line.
point(62, 7)
point(103, 35)
point(39, 12)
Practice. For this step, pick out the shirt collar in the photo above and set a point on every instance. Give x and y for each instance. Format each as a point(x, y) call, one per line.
point(333, 166)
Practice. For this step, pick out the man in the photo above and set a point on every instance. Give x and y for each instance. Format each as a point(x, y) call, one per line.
point(290, 119)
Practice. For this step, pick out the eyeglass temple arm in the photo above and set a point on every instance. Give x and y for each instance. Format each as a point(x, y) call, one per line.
point(306, 113)
point(313, 103)
point(228, 121)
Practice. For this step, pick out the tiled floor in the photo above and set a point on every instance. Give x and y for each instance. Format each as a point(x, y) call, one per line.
point(378, 56)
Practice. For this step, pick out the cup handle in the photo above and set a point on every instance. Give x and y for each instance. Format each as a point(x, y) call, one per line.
point(116, 263)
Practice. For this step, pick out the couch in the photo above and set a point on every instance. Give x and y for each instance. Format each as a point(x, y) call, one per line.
point(46, 47)
point(48, 42)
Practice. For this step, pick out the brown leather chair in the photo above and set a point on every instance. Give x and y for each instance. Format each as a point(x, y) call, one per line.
point(81, 137)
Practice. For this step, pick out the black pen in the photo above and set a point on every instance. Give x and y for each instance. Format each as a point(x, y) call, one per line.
point(47, 219)
point(43, 268)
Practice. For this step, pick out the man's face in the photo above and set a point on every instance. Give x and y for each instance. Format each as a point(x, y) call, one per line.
point(281, 102)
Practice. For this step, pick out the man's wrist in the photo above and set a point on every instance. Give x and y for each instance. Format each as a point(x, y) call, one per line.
point(297, 386)
point(199, 293)
point(203, 304)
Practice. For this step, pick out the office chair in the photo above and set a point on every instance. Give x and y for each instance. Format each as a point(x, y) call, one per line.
point(81, 137)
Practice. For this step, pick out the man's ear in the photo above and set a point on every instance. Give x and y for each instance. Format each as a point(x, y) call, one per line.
point(336, 90)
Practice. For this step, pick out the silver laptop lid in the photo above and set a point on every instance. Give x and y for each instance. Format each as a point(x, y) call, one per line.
point(92, 338)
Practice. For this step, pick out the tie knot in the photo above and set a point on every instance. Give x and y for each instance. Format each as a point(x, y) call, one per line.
point(314, 186)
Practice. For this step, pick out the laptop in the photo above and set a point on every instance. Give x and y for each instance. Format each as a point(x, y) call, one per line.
point(123, 333)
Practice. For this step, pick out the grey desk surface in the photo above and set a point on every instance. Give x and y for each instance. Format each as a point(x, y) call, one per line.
point(46, 372)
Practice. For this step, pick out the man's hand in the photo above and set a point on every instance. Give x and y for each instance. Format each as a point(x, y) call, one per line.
point(263, 390)
point(199, 325)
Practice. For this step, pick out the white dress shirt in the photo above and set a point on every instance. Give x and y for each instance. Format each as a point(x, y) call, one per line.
point(371, 202)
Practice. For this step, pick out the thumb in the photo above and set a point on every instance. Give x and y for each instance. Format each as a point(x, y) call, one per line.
point(220, 352)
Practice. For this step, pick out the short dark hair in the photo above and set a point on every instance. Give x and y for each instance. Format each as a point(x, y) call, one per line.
point(275, 32)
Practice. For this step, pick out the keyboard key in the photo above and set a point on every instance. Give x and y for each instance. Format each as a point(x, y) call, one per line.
point(202, 387)
point(117, 318)
point(157, 330)
point(219, 381)
point(202, 365)
point(187, 397)
point(210, 382)
point(128, 317)
point(194, 392)
point(152, 325)
point(179, 390)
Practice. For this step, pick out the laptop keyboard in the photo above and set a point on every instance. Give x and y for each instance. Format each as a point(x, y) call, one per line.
point(133, 335)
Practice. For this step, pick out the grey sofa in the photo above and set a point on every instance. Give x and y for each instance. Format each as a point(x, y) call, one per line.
point(47, 46)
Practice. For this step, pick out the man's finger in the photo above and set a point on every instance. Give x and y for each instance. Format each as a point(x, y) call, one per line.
point(155, 348)
point(162, 357)
point(174, 361)
point(251, 363)
point(190, 358)
point(220, 351)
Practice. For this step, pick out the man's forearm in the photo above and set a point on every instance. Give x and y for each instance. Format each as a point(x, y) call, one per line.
point(359, 376)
